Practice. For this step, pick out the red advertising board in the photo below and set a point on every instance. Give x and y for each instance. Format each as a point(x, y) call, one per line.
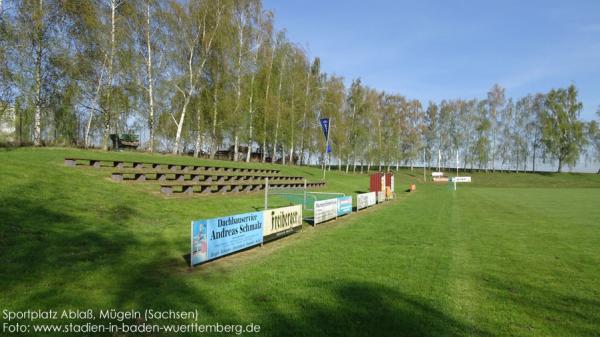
point(389, 181)
point(376, 182)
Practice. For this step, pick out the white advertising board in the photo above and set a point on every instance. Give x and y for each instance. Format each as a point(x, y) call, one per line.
point(380, 197)
point(437, 174)
point(365, 200)
point(461, 179)
point(362, 201)
point(325, 210)
point(372, 198)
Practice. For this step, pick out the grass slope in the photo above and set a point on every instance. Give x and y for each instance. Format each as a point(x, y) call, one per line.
point(511, 254)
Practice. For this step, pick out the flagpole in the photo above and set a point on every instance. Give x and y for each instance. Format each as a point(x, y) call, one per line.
point(326, 125)
point(326, 146)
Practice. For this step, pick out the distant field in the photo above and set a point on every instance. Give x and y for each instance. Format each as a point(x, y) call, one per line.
point(509, 255)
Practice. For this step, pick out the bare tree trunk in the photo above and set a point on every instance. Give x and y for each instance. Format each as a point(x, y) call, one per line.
point(277, 119)
point(236, 143)
point(187, 97)
point(198, 129)
point(108, 111)
point(37, 131)
point(251, 121)
point(292, 131)
point(97, 103)
point(238, 96)
point(347, 162)
point(304, 116)
point(494, 148)
point(180, 125)
point(251, 96)
point(533, 163)
point(265, 114)
point(213, 146)
point(560, 164)
point(151, 121)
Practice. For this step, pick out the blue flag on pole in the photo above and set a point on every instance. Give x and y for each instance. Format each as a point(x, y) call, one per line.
point(325, 127)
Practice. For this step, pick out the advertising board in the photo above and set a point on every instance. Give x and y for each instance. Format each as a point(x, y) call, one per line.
point(372, 198)
point(365, 200)
point(362, 201)
point(325, 210)
point(344, 205)
point(212, 238)
point(282, 221)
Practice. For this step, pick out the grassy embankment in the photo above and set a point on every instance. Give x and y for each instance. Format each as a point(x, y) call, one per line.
point(510, 254)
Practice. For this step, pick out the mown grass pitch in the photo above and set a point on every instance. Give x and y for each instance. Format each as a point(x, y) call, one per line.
point(509, 255)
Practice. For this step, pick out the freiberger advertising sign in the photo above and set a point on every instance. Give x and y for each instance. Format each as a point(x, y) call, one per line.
point(281, 222)
point(216, 237)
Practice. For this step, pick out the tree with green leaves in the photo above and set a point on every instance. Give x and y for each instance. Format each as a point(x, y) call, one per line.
point(593, 134)
point(496, 100)
point(192, 27)
point(36, 25)
point(431, 131)
point(562, 131)
point(481, 147)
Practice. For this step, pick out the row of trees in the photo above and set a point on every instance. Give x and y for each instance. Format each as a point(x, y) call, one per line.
point(199, 76)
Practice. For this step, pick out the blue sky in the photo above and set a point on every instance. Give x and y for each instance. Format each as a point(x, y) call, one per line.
point(433, 50)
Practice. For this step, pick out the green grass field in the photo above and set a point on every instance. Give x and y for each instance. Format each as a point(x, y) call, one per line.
point(509, 255)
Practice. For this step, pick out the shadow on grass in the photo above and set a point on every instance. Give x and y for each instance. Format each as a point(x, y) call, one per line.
point(36, 239)
point(360, 309)
point(562, 313)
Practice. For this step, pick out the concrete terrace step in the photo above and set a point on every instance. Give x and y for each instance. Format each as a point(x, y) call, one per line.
point(197, 175)
point(73, 162)
point(229, 187)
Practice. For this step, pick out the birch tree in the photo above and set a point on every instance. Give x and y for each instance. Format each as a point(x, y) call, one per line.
point(496, 100)
point(562, 131)
point(193, 28)
point(263, 27)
